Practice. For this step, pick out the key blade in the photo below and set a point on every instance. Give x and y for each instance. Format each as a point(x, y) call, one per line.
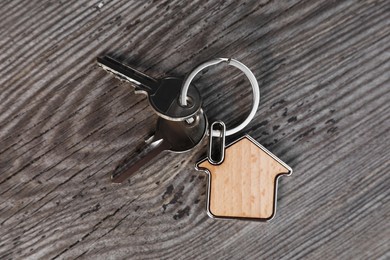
point(143, 156)
point(125, 73)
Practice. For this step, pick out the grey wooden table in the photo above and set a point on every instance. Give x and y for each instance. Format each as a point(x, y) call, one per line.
point(324, 73)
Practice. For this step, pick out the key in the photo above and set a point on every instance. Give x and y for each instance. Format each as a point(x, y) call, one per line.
point(174, 136)
point(163, 94)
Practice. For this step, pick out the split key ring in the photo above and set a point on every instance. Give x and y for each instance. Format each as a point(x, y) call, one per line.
point(238, 65)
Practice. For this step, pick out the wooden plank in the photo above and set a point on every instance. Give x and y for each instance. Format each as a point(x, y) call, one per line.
point(323, 69)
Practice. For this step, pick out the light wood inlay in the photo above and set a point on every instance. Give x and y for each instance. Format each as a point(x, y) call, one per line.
point(244, 184)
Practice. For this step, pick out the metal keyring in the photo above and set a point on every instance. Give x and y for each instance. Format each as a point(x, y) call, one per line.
point(238, 65)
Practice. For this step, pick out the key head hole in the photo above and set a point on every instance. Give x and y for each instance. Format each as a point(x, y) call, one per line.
point(190, 102)
point(192, 121)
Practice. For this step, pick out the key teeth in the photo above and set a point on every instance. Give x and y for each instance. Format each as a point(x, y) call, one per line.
point(150, 139)
point(125, 73)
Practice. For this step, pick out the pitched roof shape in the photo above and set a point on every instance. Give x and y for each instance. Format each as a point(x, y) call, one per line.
point(244, 185)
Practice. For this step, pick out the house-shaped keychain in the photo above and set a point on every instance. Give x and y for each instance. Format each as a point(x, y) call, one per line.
point(245, 184)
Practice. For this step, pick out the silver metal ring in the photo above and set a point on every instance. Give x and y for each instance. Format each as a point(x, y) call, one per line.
point(238, 65)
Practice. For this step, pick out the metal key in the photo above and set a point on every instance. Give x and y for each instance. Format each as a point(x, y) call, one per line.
point(175, 136)
point(163, 94)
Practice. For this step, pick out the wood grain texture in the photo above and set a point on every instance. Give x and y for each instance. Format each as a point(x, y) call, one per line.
point(244, 184)
point(323, 70)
